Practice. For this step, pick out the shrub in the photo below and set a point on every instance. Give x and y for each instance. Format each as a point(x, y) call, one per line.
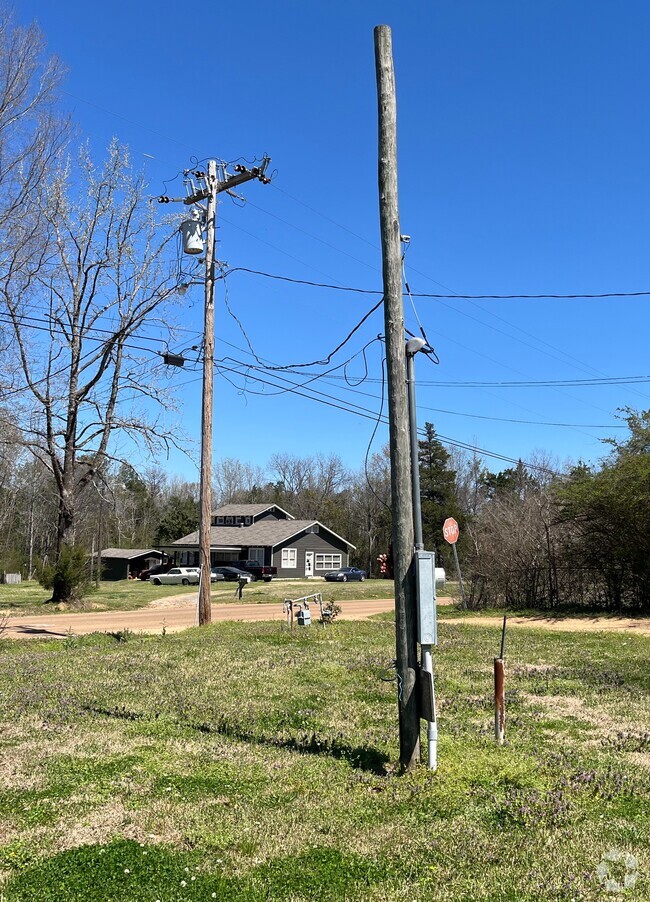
point(67, 578)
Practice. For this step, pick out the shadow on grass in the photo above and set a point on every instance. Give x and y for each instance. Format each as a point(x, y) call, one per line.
point(359, 757)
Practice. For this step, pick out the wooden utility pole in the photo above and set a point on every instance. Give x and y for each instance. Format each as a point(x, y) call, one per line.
point(210, 185)
point(400, 445)
point(205, 523)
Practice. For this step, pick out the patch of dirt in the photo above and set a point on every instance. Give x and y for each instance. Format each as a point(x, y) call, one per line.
point(638, 626)
point(604, 725)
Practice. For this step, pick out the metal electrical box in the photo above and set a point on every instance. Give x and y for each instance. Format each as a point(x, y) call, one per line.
point(425, 573)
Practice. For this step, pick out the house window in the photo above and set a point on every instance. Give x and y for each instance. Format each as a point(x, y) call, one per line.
point(289, 558)
point(238, 520)
point(219, 521)
point(247, 521)
point(228, 521)
point(328, 561)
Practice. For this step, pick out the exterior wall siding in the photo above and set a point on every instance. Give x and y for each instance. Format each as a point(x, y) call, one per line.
point(319, 543)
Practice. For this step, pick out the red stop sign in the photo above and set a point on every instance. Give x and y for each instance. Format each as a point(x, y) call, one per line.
point(450, 530)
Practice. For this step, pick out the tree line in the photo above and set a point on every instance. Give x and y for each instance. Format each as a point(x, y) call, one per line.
point(530, 536)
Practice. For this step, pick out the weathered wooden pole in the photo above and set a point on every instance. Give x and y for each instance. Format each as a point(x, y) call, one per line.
point(400, 445)
point(205, 524)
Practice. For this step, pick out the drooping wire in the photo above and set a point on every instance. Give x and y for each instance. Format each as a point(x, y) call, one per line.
point(428, 349)
point(374, 433)
point(292, 366)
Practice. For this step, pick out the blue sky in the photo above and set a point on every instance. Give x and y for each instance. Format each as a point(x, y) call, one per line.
point(523, 154)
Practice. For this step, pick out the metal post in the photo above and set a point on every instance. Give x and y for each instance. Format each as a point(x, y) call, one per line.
point(412, 347)
point(460, 578)
point(205, 606)
point(499, 691)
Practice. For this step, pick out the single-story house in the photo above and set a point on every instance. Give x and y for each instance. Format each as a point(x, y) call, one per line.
point(127, 563)
point(271, 536)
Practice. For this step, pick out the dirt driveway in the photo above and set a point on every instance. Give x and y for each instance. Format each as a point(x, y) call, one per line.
point(174, 614)
point(640, 626)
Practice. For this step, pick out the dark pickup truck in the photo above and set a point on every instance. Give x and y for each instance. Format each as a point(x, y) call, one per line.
point(259, 571)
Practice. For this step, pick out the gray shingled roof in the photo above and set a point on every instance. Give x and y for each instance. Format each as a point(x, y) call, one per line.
point(127, 554)
point(246, 510)
point(268, 532)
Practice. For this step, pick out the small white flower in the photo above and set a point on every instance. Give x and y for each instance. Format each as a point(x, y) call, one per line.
point(193, 878)
point(183, 883)
point(187, 870)
point(214, 895)
point(127, 871)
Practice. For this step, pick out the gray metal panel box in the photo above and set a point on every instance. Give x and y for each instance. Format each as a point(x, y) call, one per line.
point(425, 572)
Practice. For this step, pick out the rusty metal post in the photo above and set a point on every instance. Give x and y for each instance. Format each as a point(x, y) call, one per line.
point(499, 691)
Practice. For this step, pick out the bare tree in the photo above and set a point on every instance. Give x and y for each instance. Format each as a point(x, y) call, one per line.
point(76, 325)
point(31, 138)
point(237, 481)
point(307, 483)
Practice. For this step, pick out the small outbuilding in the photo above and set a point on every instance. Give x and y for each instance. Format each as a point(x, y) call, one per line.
point(128, 563)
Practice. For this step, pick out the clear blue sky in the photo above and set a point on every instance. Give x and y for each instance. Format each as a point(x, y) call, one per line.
point(524, 143)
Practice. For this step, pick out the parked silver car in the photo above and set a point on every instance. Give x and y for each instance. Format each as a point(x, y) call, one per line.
point(181, 576)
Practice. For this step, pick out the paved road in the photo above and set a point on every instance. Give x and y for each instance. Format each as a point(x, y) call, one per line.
point(172, 618)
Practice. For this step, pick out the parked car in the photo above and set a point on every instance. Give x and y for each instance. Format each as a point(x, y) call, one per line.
point(344, 574)
point(182, 576)
point(258, 571)
point(154, 571)
point(231, 574)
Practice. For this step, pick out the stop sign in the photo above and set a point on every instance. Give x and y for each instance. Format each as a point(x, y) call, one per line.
point(450, 530)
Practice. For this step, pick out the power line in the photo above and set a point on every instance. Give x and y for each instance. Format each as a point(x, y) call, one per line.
point(449, 297)
point(366, 413)
point(544, 383)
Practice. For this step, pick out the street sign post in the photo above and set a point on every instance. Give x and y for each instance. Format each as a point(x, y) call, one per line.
point(451, 532)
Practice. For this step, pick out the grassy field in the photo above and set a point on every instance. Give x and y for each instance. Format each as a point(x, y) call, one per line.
point(244, 762)
point(128, 595)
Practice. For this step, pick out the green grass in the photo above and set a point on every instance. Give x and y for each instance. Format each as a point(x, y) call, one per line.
point(127, 595)
point(262, 763)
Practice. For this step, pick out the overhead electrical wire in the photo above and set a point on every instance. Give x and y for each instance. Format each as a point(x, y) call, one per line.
point(427, 294)
point(329, 401)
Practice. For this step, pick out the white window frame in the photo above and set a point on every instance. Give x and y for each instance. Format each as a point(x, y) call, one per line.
point(228, 521)
point(247, 521)
point(219, 521)
point(328, 561)
point(289, 559)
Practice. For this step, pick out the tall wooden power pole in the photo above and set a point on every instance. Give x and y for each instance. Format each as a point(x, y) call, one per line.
point(400, 445)
point(205, 521)
point(212, 183)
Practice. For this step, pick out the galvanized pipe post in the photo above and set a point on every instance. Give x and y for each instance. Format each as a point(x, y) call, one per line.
point(412, 347)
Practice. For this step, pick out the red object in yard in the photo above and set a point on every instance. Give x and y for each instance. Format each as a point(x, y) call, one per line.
point(450, 530)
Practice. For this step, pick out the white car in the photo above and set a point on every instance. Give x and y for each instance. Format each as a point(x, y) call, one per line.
point(182, 576)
